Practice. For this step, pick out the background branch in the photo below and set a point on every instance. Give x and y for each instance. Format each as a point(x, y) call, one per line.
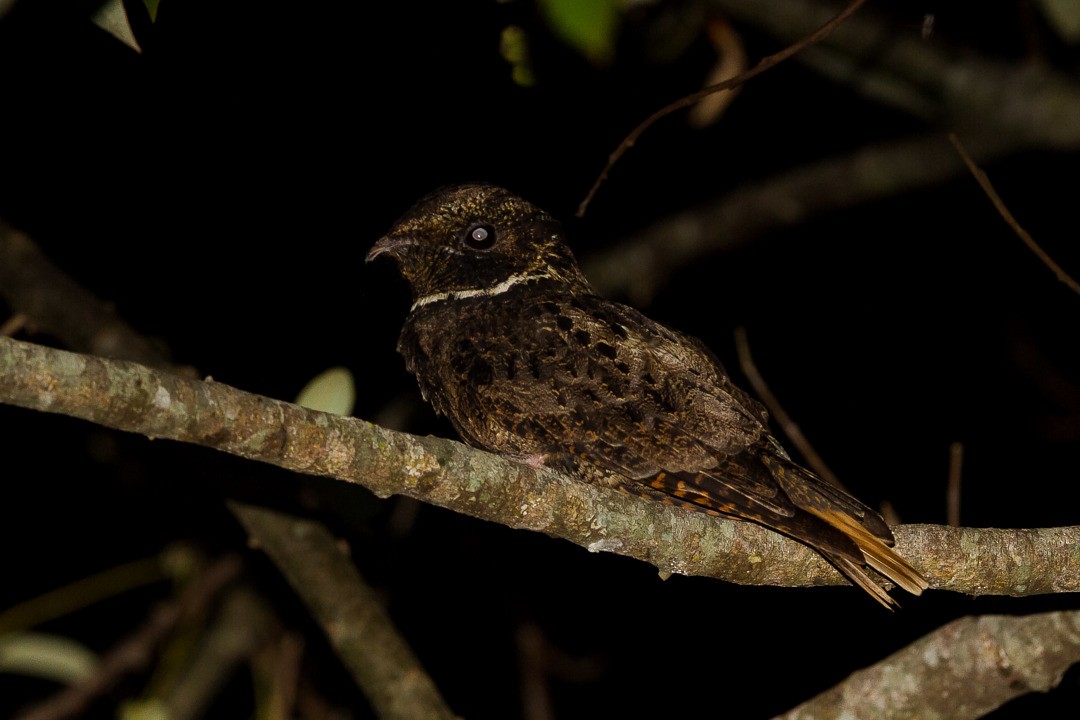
point(643, 262)
point(999, 108)
point(392, 677)
point(136, 651)
point(962, 670)
point(134, 398)
point(327, 581)
point(1023, 105)
point(63, 308)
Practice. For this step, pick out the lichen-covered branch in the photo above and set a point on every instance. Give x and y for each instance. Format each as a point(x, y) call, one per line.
point(135, 398)
point(961, 670)
point(384, 667)
point(342, 603)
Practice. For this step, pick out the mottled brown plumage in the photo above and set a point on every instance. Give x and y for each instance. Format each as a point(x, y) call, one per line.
point(508, 341)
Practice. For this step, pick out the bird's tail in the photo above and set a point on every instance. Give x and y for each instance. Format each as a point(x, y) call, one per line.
point(877, 554)
point(858, 523)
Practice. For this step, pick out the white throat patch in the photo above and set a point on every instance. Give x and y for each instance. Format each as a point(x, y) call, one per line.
point(498, 289)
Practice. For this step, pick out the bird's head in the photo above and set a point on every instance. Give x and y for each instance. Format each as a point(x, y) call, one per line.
point(475, 237)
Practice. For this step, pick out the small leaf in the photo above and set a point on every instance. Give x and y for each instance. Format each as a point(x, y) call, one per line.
point(332, 391)
point(587, 25)
point(112, 18)
point(46, 656)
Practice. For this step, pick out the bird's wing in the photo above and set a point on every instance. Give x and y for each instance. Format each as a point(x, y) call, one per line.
point(668, 400)
point(603, 381)
point(624, 394)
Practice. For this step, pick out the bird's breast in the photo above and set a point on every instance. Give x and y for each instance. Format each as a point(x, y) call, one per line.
point(483, 363)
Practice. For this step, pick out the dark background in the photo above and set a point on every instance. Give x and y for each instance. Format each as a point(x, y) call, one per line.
point(223, 188)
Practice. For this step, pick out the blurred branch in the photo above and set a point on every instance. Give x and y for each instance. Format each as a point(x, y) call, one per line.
point(1029, 105)
point(134, 398)
point(137, 650)
point(285, 677)
point(776, 410)
point(640, 265)
point(66, 310)
point(49, 298)
point(241, 626)
point(346, 607)
point(961, 670)
point(1000, 108)
point(826, 27)
point(82, 593)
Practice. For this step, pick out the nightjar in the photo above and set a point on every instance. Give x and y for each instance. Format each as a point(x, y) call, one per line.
point(508, 341)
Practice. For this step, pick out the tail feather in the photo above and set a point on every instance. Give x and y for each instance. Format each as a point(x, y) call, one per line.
point(858, 576)
point(878, 555)
point(858, 523)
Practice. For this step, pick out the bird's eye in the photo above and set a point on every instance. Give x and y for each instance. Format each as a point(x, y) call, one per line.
point(480, 237)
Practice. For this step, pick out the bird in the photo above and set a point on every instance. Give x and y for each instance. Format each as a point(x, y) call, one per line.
point(508, 340)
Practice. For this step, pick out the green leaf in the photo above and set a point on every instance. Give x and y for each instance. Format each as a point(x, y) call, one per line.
point(332, 391)
point(587, 25)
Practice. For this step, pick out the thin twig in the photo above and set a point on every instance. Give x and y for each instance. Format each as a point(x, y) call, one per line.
point(13, 324)
point(789, 426)
point(765, 63)
point(988, 188)
point(952, 502)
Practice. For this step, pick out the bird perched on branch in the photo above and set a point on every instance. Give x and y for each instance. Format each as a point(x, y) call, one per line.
point(508, 341)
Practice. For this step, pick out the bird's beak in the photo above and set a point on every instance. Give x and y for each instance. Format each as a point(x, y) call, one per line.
point(390, 245)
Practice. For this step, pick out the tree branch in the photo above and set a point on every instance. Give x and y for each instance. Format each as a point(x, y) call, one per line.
point(392, 678)
point(341, 602)
point(66, 310)
point(134, 398)
point(137, 650)
point(961, 670)
point(642, 263)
